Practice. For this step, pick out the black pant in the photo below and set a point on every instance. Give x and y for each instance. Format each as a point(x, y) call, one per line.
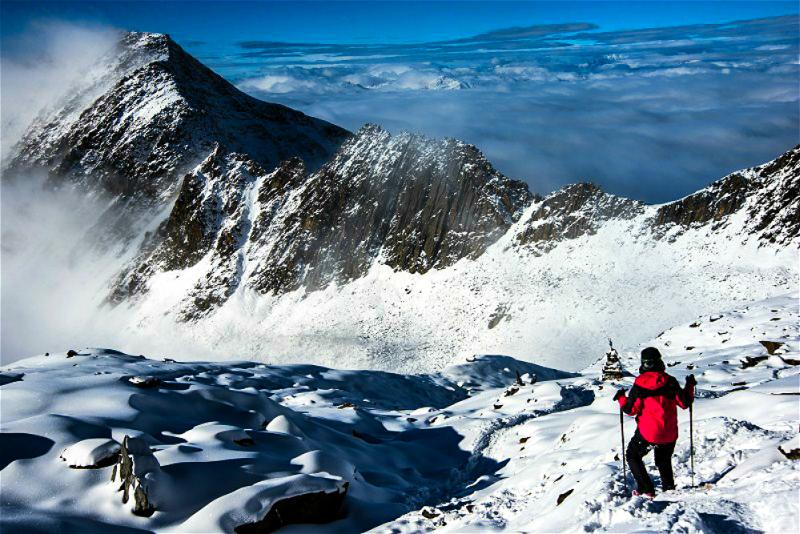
point(637, 450)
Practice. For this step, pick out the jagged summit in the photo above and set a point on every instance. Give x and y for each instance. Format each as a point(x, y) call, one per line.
point(572, 211)
point(251, 226)
point(767, 197)
point(405, 201)
point(152, 112)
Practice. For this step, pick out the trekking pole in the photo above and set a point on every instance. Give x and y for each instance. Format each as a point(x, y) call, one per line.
point(622, 433)
point(691, 438)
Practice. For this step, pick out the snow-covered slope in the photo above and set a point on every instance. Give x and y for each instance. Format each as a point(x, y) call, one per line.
point(405, 201)
point(215, 446)
point(398, 252)
point(149, 112)
point(575, 267)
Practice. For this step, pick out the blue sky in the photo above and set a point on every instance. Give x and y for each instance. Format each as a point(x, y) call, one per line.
point(583, 92)
point(221, 22)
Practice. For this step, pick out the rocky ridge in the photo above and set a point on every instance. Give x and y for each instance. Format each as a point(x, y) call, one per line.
point(405, 201)
point(150, 114)
point(261, 197)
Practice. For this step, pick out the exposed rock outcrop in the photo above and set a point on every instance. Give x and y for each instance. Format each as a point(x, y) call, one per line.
point(768, 197)
point(314, 508)
point(571, 212)
point(405, 201)
point(136, 472)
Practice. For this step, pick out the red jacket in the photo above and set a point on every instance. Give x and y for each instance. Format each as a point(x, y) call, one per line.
point(653, 400)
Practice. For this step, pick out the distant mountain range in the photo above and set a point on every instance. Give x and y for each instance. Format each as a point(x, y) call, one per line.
point(259, 207)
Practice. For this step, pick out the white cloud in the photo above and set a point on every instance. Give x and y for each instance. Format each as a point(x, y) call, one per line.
point(40, 67)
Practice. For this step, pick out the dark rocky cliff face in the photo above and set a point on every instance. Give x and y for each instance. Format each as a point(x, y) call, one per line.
point(765, 200)
point(571, 212)
point(774, 210)
point(767, 195)
point(405, 201)
point(711, 204)
point(154, 114)
point(264, 198)
point(411, 202)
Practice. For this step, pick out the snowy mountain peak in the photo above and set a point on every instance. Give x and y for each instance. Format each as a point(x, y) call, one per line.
point(152, 114)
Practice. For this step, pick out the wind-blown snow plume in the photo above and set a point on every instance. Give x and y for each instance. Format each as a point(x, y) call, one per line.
point(41, 67)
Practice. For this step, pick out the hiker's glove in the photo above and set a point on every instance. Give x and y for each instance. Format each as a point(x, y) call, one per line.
point(691, 381)
point(619, 393)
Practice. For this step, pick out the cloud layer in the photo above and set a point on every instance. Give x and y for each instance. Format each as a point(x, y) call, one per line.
point(652, 114)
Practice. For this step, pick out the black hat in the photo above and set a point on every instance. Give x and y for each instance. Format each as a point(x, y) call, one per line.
point(651, 359)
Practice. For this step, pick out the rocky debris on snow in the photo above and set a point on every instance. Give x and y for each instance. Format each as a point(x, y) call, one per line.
point(136, 471)
point(752, 361)
point(92, 453)
point(498, 315)
point(793, 454)
point(772, 346)
point(519, 378)
point(429, 512)
point(71, 353)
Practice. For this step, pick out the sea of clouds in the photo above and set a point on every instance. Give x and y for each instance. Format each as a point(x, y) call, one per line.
point(652, 114)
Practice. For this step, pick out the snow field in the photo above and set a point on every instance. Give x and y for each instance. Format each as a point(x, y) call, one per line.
point(468, 449)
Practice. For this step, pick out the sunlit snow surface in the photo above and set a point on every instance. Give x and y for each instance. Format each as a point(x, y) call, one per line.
point(556, 307)
point(465, 449)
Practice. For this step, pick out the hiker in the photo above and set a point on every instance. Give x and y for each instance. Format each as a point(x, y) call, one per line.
point(652, 399)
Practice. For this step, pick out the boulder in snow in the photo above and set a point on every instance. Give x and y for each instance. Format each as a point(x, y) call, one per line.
point(771, 346)
point(316, 507)
point(563, 496)
point(144, 381)
point(273, 503)
point(91, 453)
point(791, 448)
